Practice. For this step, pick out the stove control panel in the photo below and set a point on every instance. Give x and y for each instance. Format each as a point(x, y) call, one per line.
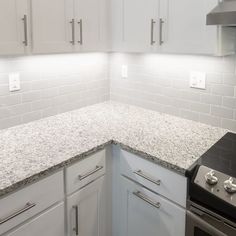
point(217, 183)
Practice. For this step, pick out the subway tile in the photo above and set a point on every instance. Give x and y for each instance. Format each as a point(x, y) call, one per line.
point(20, 109)
point(31, 116)
point(189, 115)
point(229, 79)
point(192, 96)
point(200, 107)
point(222, 112)
point(10, 100)
point(224, 90)
point(211, 99)
point(10, 121)
point(210, 120)
point(229, 102)
point(229, 124)
point(31, 96)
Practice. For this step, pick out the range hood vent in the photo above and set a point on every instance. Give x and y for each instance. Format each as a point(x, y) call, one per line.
point(223, 14)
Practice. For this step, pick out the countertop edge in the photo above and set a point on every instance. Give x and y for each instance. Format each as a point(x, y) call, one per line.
point(43, 174)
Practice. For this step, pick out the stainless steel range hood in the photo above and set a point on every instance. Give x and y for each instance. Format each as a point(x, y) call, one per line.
point(224, 14)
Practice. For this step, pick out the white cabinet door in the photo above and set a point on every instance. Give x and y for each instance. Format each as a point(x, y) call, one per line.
point(86, 210)
point(140, 25)
point(87, 15)
point(135, 25)
point(49, 223)
point(185, 29)
point(146, 213)
point(12, 26)
point(52, 26)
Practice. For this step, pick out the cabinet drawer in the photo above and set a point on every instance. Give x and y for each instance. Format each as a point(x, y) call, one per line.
point(165, 182)
point(49, 223)
point(85, 171)
point(146, 213)
point(25, 203)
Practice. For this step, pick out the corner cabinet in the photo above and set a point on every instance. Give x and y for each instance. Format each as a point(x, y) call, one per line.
point(13, 26)
point(149, 199)
point(146, 213)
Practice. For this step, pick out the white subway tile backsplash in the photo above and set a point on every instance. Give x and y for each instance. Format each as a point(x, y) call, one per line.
point(169, 76)
point(51, 84)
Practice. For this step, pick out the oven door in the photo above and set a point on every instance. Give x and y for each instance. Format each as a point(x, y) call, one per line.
point(201, 223)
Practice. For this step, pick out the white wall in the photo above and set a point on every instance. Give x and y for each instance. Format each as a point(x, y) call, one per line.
point(51, 84)
point(161, 83)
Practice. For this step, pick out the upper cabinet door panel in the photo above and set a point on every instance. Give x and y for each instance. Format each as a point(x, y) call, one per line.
point(87, 14)
point(185, 29)
point(52, 26)
point(140, 24)
point(12, 27)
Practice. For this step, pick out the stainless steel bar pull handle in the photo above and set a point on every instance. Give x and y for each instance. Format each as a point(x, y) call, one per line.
point(81, 31)
point(76, 228)
point(25, 42)
point(141, 174)
point(161, 22)
point(72, 22)
point(81, 177)
point(27, 207)
point(153, 22)
point(147, 199)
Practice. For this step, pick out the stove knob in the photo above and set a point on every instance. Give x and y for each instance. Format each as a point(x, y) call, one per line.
point(211, 178)
point(229, 186)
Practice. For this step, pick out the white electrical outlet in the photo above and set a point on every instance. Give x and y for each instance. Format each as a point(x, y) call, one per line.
point(14, 82)
point(124, 71)
point(197, 80)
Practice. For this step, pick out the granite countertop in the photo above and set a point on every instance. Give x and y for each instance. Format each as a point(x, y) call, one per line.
point(38, 148)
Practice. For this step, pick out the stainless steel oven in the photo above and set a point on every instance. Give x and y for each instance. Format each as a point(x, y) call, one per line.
point(203, 222)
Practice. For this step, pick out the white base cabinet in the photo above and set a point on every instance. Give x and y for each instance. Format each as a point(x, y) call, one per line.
point(145, 213)
point(86, 210)
point(49, 223)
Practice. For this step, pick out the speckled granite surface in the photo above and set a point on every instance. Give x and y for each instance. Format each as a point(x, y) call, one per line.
point(30, 151)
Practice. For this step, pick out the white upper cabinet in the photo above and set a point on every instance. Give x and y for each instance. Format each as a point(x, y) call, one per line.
point(13, 26)
point(67, 25)
point(185, 29)
point(135, 25)
point(87, 17)
point(52, 26)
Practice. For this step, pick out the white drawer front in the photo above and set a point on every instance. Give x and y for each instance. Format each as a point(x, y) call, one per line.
point(49, 223)
point(165, 182)
point(85, 171)
point(25, 203)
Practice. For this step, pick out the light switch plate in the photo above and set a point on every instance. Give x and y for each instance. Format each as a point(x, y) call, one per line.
point(197, 80)
point(14, 82)
point(124, 71)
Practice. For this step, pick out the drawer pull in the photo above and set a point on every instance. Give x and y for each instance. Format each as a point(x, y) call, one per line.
point(27, 207)
point(76, 228)
point(147, 199)
point(81, 177)
point(141, 174)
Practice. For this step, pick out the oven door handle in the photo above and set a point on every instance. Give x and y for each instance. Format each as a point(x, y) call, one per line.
point(211, 229)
